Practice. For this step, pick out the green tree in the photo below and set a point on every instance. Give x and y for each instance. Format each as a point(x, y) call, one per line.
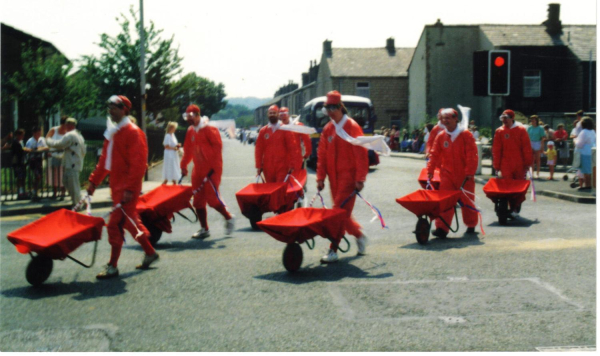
point(200, 91)
point(42, 81)
point(82, 94)
point(117, 70)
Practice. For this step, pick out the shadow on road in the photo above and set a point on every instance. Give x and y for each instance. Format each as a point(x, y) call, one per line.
point(518, 222)
point(437, 244)
point(323, 273)
point(191, 244)
point(83, 290)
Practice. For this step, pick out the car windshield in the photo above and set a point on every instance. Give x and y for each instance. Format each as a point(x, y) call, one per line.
point(360, 114)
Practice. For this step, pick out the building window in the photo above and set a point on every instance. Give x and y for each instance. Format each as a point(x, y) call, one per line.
point(363, 89)
point(532, 83)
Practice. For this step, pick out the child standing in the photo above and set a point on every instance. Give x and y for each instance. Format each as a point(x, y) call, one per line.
point(551, 154)
point(171, 169)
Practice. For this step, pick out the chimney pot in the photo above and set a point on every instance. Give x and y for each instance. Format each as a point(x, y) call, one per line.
point(327, 48)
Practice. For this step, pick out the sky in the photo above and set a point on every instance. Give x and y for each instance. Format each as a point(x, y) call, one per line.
point(255, 47)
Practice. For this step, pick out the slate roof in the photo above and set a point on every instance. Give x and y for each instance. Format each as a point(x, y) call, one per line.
point(579, 38)
point(369, 62)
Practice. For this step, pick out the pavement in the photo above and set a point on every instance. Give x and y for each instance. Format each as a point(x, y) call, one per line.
point(557, 188)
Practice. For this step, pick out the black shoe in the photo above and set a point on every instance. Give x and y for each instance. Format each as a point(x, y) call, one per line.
point(584, 188)
point(439, 233)
point(470, 230)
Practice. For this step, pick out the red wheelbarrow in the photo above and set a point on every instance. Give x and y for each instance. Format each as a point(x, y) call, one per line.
point(500, 191)
point(157, 207)
point(430, 204)
point(54, 237)
point(255, 199)
point(424, 179)
point(301, 225)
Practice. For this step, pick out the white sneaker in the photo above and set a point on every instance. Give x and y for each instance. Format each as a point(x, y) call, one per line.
point(330, 257)
point(229, 225)
point(201, 234)
point(514, 214)
point(108, 272)
point(361, 242)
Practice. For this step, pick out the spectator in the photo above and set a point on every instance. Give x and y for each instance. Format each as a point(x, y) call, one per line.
point(475, 132)
point(574, 133)
point(74, 146)
point(549, 134)
point(551, 154)
point(35, 146)
point(171, 170)
point(562, 143)
point(536, 136)
point(584, 142)
point(7, 142)
point(386, 134)
point(394, 145)
point(18, 162)
point(55, 169)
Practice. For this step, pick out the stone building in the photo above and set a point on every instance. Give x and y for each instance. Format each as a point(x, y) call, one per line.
point(552, 69)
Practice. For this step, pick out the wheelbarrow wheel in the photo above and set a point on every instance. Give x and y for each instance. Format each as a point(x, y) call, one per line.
point(38, 270)
point(255, 218)
point(155, 232)
point(502, 211)
point(292, 257)
point(422, 231)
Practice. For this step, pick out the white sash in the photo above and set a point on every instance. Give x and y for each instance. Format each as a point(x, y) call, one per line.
point(111, 129)
point(375, 142)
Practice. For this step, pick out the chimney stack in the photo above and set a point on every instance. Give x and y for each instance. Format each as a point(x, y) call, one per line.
point(327, 48)
point(390, 46)
point(553, 23)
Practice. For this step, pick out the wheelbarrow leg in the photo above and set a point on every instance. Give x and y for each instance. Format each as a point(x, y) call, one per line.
point(502, 211)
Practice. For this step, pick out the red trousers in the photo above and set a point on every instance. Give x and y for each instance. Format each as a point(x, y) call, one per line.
point(469, 215)
point(118, 222)
point(340, 191)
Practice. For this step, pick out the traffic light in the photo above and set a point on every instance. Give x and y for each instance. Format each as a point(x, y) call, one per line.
point(499, 73)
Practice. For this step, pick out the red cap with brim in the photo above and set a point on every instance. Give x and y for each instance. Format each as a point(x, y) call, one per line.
point(333, 98)
point(273, 108)
point(193, 108)
point(509, 113)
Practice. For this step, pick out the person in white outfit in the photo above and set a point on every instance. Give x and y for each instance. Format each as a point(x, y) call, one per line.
point(55, 168)
point(171, 169)
point(74, 148)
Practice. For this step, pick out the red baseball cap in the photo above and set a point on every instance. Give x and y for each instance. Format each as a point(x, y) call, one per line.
point(284, 110)
point(333, 98)
point(509, 112)
point(193, 108)
point(273, 108)
point(120, 101)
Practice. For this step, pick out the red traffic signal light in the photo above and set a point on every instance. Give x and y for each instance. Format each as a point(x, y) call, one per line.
point(499, 72)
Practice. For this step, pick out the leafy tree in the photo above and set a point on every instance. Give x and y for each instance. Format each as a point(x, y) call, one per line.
point(82, 94)
point(42, 81)
point(117, 70)
point(200, 91)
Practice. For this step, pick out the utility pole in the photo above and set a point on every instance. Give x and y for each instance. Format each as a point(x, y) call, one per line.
point(143, 74)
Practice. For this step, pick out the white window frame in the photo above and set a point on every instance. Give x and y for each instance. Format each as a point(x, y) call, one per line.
point(529, 78)
point(362, 89)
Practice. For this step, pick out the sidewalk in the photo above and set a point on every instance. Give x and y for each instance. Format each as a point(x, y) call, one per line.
point(557, 188)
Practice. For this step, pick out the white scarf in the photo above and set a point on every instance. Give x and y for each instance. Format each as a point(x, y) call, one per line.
point(375, 142)
point(111, 129)
point(293, 126)
point(454, 134)
point(274, 127)
point(201, 124)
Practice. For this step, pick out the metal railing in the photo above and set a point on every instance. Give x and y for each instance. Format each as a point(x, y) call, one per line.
point(39, 177)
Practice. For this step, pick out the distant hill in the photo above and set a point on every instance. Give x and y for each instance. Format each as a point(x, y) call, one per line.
point(249, 102)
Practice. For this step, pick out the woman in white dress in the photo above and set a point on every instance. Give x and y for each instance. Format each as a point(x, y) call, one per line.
point(171, 169)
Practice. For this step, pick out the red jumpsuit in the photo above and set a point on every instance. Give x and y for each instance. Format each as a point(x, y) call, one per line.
point(344, 164)
point(306, 141)
point(276, 153)
point(434, 131)
point(512, 155)
point(128, 166)
point(206, 149)
point(455, 160)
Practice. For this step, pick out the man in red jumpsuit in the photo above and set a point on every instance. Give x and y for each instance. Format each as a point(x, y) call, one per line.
point(203, 144)
point(434, 131)
point(454, 153)
point(511, 154)
point(276, 152)
point(301, 139)
point(124, 157)
point(346, 165)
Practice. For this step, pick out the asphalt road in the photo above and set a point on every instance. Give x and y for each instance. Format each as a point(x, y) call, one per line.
point(525, 286)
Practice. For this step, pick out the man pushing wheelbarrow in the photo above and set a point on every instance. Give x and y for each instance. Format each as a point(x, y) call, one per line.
point(454, 153)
